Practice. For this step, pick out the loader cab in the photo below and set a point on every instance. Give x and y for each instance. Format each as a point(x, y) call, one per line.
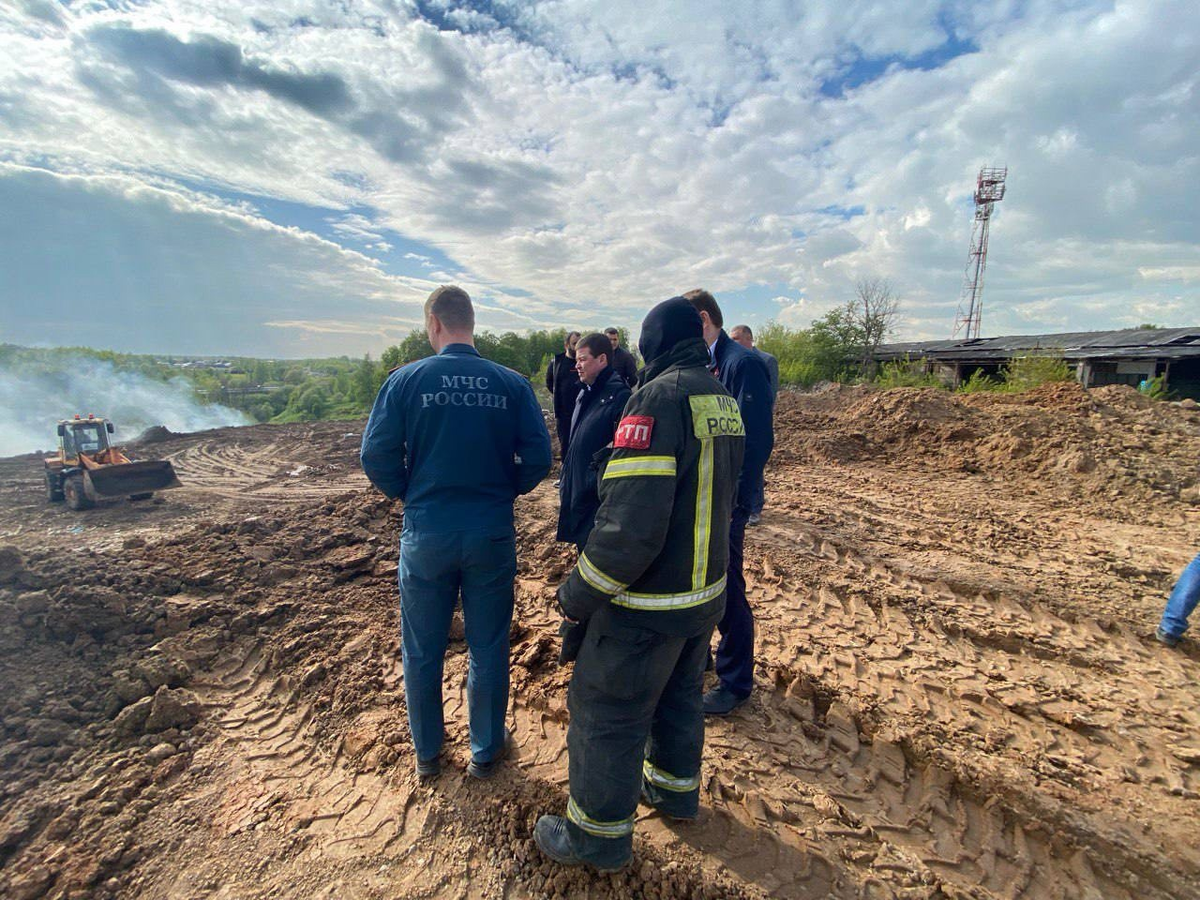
point(81, 435)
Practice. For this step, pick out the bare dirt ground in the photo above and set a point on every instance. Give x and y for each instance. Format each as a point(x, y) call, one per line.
point(958, 695)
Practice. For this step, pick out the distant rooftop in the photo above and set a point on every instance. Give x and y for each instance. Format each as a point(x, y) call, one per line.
point(1161, 343)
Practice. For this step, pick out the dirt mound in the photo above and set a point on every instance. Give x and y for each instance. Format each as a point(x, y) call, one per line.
point(155, 434)
point(1112, 445)
point(957, 695)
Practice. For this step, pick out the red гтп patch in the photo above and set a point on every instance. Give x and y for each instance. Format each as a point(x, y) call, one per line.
point(634, 433)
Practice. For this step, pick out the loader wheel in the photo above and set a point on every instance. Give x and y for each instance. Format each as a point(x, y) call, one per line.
point(74, 493)
point(133, 498)
point(54, 491)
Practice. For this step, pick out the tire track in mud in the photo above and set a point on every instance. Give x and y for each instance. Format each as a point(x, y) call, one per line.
point(985, 686)
point(256, 472)
point(277, 771)
point(450, 838)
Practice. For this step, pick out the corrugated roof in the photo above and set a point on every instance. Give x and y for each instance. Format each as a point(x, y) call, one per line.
point(1139, 342)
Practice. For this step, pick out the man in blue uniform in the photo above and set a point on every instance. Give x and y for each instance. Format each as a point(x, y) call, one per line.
point(743, 335)
point(745, 376)
point(457, 438)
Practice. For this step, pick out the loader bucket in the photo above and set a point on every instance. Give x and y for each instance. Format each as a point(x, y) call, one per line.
point(130, 478)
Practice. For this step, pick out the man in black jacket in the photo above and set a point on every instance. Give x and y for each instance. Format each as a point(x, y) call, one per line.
point(622, 360)
point(745, 376)
point(597, 412)
point(562, 381)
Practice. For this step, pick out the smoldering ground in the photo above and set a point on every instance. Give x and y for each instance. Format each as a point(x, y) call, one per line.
point(33, 399)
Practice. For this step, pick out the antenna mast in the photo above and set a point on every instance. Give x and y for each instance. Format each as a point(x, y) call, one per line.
point(989, 190)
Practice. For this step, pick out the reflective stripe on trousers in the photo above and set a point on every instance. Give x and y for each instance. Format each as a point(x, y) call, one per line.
point(665, 780)
point(618, 829)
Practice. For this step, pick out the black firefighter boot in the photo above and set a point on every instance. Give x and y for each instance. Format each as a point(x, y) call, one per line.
point(553, 839)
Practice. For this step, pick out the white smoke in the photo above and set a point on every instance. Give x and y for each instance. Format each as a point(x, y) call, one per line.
point(31, 403)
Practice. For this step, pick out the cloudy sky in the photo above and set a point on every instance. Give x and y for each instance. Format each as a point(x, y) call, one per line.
point(292, 177)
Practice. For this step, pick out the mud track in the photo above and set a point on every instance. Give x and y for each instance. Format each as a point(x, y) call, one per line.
point(957, 695)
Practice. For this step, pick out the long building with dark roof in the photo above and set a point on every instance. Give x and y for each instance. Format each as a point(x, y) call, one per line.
point(1130, 356)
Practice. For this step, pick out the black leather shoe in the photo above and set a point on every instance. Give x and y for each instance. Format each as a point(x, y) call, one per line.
point(551, 835)
point(721, 701)
point(429, 768)
point(490, 768)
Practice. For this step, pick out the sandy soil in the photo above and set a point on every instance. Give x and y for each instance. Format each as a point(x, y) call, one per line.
point(958, 693)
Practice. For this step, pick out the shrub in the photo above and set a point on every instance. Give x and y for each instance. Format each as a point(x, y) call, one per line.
point(1025, 372)
point(980, 382)
point(1155, 388)
point(901, 374)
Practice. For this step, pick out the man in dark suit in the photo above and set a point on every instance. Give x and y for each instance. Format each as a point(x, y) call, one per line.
point(744, 336)
point(745, 376)
point(562, 381)
point(622, 360)
point(597, 413)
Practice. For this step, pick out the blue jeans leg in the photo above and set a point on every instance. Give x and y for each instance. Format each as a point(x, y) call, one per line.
point(488, 569)
point(735, 652)
point(1183, 600)
point(429, 583)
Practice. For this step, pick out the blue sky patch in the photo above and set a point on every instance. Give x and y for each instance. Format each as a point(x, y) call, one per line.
point(865, 69)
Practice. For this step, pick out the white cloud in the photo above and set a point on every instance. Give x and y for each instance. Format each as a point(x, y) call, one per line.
point(359, 229)
point(1170, 273)
point(425, 261)
point(1059, 145)
point(600, 156)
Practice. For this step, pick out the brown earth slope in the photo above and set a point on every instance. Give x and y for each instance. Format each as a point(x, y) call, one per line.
point(958, 693)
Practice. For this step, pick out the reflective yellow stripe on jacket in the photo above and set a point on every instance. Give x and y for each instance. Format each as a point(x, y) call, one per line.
point(669, 602)
point(703, 526)
point(597, 579)
point(713, 416)
point(640, 465)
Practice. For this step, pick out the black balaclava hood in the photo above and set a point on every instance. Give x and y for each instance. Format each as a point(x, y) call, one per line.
point(666, 325)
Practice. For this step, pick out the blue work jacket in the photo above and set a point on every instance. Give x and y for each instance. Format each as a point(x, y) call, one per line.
point(743, 373)
point(457, 438)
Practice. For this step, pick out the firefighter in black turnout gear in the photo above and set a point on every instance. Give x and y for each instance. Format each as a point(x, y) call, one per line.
point(640, 605)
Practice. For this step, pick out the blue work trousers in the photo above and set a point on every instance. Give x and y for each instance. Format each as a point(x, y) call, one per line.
point(735, 652)
point(1182, 601)
point(758, 496)
point(434, 570)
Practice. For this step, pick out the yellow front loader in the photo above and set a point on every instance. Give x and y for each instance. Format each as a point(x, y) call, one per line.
point(87, 468)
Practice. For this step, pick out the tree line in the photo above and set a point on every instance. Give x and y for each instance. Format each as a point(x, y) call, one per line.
point(836, 347)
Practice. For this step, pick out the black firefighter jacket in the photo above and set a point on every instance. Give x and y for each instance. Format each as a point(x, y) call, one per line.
point(597, 413)
point(660, 545)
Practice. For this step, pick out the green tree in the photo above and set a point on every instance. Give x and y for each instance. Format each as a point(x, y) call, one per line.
point(366, 382)
point(310, 402)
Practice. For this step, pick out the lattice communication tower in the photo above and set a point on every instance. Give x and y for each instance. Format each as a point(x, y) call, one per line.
point(989, 190)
